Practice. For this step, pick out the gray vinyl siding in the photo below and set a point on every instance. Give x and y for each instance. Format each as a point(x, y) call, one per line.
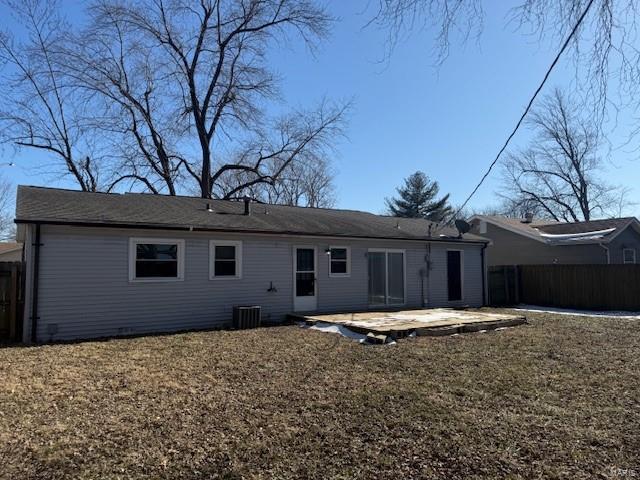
point(471, 277)
point(84, 287)
point(627, 239)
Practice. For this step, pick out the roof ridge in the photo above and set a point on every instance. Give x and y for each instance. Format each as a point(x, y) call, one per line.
point(165, 195)
point(41, 187)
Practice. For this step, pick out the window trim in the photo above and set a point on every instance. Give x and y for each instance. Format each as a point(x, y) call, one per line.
point(212, 259)
point(624, 260)
point(461, 274)
point(134, 241)
point(348, 262)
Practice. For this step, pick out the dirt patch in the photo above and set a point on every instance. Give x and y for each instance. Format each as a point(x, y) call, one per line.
point(557, 398)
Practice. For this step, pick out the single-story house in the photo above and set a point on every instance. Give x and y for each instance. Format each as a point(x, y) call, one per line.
point(101, 264)
point(10, 252)
point(534, 242)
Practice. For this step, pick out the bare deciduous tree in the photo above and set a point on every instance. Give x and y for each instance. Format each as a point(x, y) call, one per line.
point(7, 227)
point(202, 81)
point(559, 175)
point(447, 18)
point(175, 92)
point(38, 108)
point(605, 50)
point(305, 183)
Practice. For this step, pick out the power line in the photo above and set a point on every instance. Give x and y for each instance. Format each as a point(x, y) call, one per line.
point(526, 111)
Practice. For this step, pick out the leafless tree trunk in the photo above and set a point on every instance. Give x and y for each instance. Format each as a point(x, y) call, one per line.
point(38, 108)
point(559, 174)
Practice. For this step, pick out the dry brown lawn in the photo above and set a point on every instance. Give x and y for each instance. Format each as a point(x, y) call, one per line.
point(558, 398)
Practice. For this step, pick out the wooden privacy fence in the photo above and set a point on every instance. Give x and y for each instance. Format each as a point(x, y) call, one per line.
point(503, 285)
point(11, 300)
point(589, 287)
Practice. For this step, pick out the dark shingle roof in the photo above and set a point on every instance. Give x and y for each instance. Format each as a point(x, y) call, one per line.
point(50, 205)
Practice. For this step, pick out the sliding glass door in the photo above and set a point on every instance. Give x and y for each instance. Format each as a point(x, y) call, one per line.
point(377, 278)
point(386, 277)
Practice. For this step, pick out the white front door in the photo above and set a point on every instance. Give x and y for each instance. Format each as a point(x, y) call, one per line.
point(304, 279)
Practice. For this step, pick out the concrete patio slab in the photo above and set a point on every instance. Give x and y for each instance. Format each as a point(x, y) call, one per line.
point(433, 322)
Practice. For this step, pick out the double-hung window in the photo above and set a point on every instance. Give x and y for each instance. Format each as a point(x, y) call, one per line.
point(155, 259)
point(339, 260)
point(225, 259)
point(629, 255)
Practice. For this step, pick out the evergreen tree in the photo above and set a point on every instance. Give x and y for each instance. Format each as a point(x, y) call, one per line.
point(418, 199)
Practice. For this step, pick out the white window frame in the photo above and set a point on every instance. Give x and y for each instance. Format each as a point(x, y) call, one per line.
point(624, 260)
point(135, 241)
point(212, 259)
point(461, 274)
point(387, 251)
point(348, 261)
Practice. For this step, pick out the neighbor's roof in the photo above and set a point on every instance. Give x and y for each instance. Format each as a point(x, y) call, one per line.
point(71, 207)
point(593, 231)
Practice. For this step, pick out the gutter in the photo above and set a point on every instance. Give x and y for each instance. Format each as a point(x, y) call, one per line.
point(35, 284)
point(143, 226)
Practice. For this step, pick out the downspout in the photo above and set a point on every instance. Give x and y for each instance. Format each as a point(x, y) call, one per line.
point(34, 289)
point(606, 249)
point(484, 274)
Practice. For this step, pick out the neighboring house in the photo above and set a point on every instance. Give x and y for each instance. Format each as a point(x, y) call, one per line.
point(532, 242)
point(112, 264)
point(10, 252)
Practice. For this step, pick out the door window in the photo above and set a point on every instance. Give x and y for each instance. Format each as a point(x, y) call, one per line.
point(305, 272)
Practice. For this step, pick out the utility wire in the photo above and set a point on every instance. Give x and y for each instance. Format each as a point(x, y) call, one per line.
point(526, 111)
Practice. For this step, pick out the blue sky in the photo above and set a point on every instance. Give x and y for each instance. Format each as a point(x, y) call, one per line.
point(408, 115)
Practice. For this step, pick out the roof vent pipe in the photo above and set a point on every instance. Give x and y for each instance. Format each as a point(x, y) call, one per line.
point(247, 205)
point(209, 209)
point(528, 218)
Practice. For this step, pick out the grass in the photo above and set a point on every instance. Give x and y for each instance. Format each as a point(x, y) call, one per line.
point(558, 398)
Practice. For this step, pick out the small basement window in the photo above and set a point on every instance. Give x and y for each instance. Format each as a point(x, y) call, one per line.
point(339, 261)
point(156, 259)
point(225, 259)
point(629, 255)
